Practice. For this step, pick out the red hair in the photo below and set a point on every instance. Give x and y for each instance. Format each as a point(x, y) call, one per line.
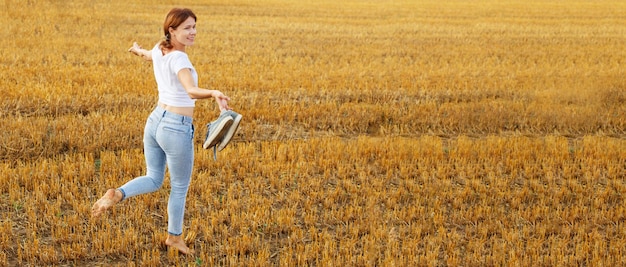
point(174, 18)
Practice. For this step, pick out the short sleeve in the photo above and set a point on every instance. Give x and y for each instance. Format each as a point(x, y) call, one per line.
point(181, 61)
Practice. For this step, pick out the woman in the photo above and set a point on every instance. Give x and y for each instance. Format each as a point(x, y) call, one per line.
point(168, 134)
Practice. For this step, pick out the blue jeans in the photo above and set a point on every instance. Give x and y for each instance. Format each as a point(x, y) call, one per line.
point(168, 139)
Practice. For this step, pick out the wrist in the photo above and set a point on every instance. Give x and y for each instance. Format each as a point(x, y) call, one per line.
point(215, 94)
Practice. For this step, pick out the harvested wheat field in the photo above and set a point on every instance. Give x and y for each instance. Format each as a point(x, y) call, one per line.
point(375, 133)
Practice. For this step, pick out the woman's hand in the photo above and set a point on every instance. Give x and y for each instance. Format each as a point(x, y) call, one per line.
point(135, 49)
point(138, 50)
point(222, 100)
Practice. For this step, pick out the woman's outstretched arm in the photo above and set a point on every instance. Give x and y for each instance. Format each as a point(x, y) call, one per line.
point(137, 50)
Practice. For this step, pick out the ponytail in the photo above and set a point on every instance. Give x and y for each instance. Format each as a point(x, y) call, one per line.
point(166, 42)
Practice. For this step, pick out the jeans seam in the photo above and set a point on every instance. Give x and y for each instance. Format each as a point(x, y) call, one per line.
point(123, 193)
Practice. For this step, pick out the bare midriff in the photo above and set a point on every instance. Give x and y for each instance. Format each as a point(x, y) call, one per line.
point(185, 111)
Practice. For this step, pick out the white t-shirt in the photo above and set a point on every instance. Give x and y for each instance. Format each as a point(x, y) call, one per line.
point(166, 68)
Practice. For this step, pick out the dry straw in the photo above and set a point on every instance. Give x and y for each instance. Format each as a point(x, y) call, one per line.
point(405, 133)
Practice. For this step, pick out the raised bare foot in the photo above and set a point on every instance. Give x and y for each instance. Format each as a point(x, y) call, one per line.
point(110, 198)
point(178, 243)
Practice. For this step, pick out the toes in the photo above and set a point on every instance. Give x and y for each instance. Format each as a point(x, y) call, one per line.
point(181, 247)
point(96, 211)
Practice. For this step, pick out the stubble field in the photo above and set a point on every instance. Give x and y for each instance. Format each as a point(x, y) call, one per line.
point(375, 133)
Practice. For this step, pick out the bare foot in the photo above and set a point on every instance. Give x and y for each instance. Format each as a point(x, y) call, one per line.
point(110, 198)
point(177, 242)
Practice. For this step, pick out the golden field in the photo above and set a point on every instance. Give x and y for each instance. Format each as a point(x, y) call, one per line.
point(375, 133)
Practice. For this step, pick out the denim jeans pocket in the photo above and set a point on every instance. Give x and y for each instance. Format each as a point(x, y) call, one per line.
point(178, 128)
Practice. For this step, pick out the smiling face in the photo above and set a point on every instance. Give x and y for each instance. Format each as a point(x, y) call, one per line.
point(179, 30)
point(184, 35)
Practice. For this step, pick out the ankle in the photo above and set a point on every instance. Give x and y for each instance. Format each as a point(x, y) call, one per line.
point(174, 238)
point(119, 195)
point(116, 196)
